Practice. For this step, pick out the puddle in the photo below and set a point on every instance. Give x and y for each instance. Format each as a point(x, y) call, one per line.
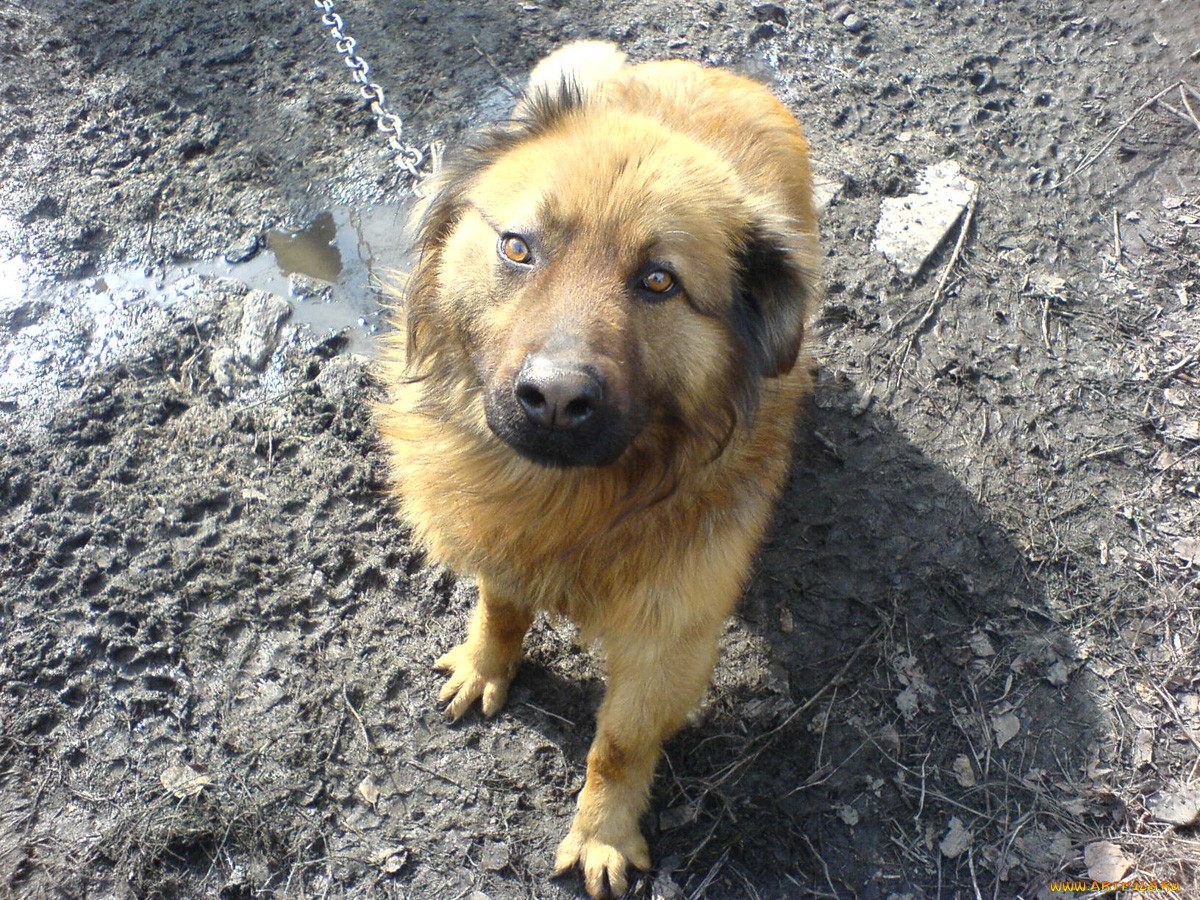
point(344, 255)
point(311, 251)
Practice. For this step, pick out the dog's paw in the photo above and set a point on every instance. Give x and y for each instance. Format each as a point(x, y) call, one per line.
point(474, 676)
point(602, 861)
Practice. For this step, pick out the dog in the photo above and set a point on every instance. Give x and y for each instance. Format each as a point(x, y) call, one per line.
point(594, 386)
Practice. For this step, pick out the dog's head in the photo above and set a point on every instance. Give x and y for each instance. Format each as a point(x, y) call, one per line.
point(591, 275)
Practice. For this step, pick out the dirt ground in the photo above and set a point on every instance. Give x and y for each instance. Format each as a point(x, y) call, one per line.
point(967, 666)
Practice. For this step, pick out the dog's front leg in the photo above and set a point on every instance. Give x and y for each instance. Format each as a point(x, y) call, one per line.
point(482, 667)
point(654, 679)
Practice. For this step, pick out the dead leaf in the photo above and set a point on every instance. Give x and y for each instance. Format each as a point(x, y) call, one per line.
point(1077, 807)
point(981, 645)
point(1102, 668)
point(1185, 431)
point(1044, 284)
point(957, 839)
point(1059, 674)
point(184, 781)
point(1188, 549)
point(390, 860)
point(677, 816)
point(1043, 850)
point(1182, 808)
point(1006, 727)
point(1143, 748)
point(848, 814)
point(964, 772)
point(890, 737)
point(368, 790)
point(1105, 862)
point(906, 700)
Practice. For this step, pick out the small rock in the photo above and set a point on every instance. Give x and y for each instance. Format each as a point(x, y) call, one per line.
point(957, 839)
point(762, 32)
point(854, 23)
point(223, 367)
point(262, 315)
point(495, 856)
point(243, 249)
point(304, 287)
point(771, 12)
point(911, 227)
point(368, 790)
point(841, 12)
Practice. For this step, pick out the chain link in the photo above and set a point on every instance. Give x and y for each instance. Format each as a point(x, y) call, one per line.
point(408, 157)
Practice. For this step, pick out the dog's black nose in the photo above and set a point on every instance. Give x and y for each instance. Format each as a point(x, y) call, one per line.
point(557, 395)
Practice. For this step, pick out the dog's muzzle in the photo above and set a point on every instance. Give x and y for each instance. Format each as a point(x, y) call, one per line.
point(558, 412)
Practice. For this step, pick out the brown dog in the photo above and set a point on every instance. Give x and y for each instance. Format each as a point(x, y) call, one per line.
point(594, 391)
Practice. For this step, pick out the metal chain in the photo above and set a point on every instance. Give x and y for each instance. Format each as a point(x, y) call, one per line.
point(408, 158)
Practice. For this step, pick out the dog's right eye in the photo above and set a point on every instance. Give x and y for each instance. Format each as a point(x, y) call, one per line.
point(514, 248)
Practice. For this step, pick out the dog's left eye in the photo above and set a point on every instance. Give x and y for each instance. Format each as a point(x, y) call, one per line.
point(659, 282)
point(515, 249)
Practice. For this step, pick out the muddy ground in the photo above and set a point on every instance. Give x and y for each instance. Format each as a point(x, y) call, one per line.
point(967, 664)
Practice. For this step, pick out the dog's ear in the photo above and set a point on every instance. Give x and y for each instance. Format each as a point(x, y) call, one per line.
point(545, 105)
point(567, 77)
point(775, 290)
point(432, 222)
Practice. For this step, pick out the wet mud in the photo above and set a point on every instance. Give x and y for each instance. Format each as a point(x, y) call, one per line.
point(969, 653)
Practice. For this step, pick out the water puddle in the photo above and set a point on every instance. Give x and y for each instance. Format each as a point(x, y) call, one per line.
point(331, 271)
point(344, 255)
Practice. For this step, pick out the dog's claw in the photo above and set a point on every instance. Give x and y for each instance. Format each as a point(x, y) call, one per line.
point(603, 864)
point(468, 683)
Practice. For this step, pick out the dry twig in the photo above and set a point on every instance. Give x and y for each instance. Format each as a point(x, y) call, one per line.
point(1116, 133)
point(931, 307)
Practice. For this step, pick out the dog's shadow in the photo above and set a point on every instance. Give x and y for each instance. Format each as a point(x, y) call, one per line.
point(866, 686)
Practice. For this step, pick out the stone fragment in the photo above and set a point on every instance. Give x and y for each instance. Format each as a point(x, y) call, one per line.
point(854, 23)
point(771, 12)
point(911, 227)
point(495, 856)
point(262, 314)
point(243, 249)
point(957, 839)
